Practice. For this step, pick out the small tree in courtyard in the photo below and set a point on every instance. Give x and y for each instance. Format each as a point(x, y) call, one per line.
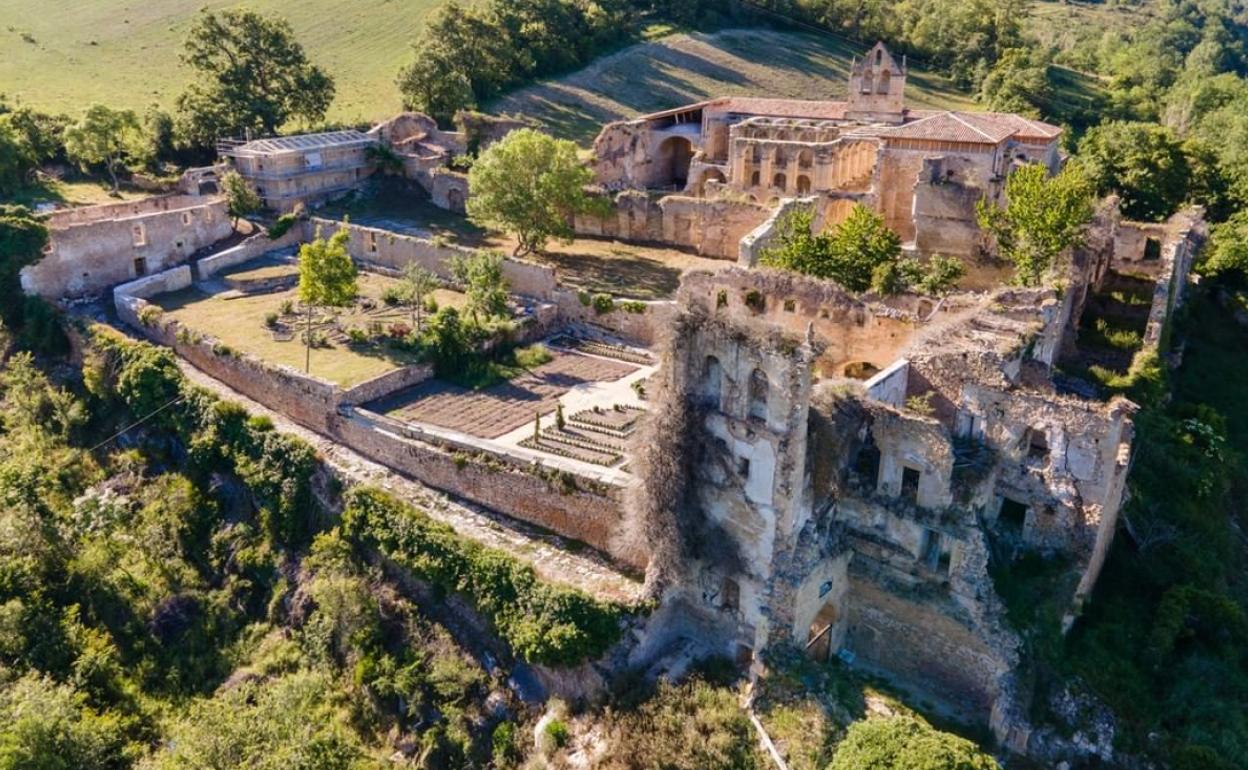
point(104, 137)
point(240, 199)
point(416, 286)
point(481, 275)
point(1044, 216)
point(326, 278)
point(531, 185)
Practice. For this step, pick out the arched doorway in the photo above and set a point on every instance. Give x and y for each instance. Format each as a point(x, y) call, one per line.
point(675, 153)
point(711, 175)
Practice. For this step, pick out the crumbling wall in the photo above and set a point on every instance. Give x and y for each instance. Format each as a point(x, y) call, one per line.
point(393, 250)
point(94, 248)
point(255, 246)
point(621, 156)
point(644, 328)
point(711, 227)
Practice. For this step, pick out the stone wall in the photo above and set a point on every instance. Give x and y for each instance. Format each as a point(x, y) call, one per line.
point(393, 250)
point(914, 642)
point(94, 248)
point(644, 328)
point(591, 516)
point(255, 246)
point(385, 384)
point(711, 227)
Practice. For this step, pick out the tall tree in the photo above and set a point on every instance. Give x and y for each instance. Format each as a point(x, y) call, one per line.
point(481, 275)
point(105, 137)
point(417, 285)
point(22, 237)
point(251, 74)
point(240, 199)
point(849, 254)
point(1044, 216)
point(326, 278)
point(1142, 162)
point(529, 184)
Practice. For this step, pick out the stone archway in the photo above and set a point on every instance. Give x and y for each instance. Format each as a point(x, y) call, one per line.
point(711, 175)
point(675, 154)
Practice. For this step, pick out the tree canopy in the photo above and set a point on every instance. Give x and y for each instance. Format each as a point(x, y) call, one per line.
point(22, 238)
point(1044, 216)
point(105, 137)
point(529, 184)
point(251, 74)
point(240, 199)
point(906, 743)
point(860, 253)
point(327, 278)
point(1143, 162)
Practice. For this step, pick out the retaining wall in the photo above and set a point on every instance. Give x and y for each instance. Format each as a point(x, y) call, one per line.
point(255, 246)
point(394, 250)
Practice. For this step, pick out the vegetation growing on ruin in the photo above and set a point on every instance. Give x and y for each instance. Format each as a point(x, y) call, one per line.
point(860, 253)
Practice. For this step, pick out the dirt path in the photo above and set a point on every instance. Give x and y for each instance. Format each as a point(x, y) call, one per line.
point(545, 552)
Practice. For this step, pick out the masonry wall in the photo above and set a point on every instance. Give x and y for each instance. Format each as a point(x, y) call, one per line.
point(94, 248)
point(711, 227)
point(255, 246)
point(591, 517)
point(393, 250)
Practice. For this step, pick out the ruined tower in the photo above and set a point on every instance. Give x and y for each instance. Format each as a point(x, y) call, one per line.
point(877, 88)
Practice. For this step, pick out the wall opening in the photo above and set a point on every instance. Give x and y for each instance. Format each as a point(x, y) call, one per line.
point(929, 550)
point(910, 478)
point(712, 381)
point(1037, 444)
point(1012, 516)
point(867, 465)
point(819, 637)
point(780, 181)
point(755, 179)
point(803, 185)
point(138, 236)
point(1152, 250)
point(759, 392)
point(730, 595)
point(140, 267)
point(675, 154)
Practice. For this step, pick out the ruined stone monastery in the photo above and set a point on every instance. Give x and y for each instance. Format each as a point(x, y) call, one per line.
point(830, 471)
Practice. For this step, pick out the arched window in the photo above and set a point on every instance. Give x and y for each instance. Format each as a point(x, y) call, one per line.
point(867, 84)
point(755, 178)
point(780, 181)
point(712, 380)
point(779, 157)
point(759, 391)
point(805, 158)
point(885, 80)
point(803, 184)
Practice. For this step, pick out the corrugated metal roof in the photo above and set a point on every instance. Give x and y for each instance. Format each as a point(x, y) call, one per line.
point(303, 142)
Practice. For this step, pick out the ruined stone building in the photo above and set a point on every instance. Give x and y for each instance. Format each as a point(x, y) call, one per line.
point(855, 466)
point(92, 248)
point(923, 170)
point(307, 168)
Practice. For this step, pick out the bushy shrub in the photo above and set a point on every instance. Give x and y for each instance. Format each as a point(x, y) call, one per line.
point(603, 303)
point(282, 226)
point(905, 743)
point(542, 623)
point(392, 296)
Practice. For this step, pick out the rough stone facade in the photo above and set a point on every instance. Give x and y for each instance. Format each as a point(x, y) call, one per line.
point(922, 170)
point(860, 463)
point(96, 247)
point(304, 169)
point(712, 228)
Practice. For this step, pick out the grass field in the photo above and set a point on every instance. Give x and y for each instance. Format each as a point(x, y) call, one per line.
point(683, 68)
point(61, 55)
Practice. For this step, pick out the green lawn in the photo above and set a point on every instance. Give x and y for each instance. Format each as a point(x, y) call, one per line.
point(125, 53)
point(240, 324)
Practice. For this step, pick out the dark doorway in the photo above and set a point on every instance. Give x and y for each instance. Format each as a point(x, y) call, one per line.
point(1013, 515)
point(910, 484)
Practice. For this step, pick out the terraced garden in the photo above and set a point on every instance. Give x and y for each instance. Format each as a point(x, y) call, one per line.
point(599, 436)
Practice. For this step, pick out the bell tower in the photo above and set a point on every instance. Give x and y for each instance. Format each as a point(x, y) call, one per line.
point(877, 87)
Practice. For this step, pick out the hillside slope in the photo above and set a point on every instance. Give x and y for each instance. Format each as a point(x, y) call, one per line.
point(61, 55)
point(685, 68)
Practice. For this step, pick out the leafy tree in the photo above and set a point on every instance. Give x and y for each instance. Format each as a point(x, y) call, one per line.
point(1142, 162)
point(16, 160)
point(1227, 253)
point(250, 75)
point(481, 275)
point(240, 199)
point(449, 343)
point(22, 238)
point(435, 84)
point(49, 726)
point(1017, 83)
point(104, 136)
point(906, 743)
point(326, 278)
point(416, 286)
point(1044, 217)
point(529, 184)
point(42, 133)
point(850, 254)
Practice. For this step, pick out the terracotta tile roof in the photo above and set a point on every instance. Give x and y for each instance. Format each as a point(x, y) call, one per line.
point(782, 108)
point(972, 128)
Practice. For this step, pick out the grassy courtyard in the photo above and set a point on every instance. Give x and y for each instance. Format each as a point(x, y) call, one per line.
point(243, 322)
